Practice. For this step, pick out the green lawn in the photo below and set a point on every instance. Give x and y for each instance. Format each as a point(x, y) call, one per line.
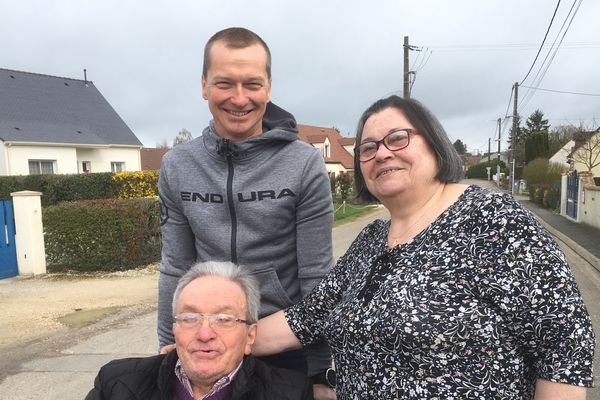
point(349, 212)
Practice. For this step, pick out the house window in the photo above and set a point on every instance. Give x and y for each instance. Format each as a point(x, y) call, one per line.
point(326, 153)
point(86, 167)
point(41, 167)
point(117, 166)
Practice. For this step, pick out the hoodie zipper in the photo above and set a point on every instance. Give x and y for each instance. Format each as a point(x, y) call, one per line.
point(229, 154)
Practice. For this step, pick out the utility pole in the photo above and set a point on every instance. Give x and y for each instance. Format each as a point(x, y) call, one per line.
point(498, 166)
point(513, 144)
point(406, 74)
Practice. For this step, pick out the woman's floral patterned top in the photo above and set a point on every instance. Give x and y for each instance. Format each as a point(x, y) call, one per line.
point(477, 306)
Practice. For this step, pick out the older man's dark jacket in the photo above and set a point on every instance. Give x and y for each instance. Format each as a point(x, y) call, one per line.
point(154, 378)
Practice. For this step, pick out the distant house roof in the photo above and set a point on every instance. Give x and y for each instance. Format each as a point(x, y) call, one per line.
point(152, 157)
point(317, 135)
point(51, 109)
point(347, 141)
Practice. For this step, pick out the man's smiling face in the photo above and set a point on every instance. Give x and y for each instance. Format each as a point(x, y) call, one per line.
point(238, 89)
point(207, 352)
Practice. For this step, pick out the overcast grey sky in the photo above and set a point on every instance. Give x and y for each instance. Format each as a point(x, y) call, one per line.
point(331, 59)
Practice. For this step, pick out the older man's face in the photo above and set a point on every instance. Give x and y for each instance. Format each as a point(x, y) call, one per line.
point(209, 352)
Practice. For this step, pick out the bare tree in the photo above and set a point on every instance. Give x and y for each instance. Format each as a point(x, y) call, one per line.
point(587, 152)
point(559, 136)
point(182, 137)
point(163, 144)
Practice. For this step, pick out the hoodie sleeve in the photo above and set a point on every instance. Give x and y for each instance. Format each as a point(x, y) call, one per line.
point(178, 250)
point(314, 222)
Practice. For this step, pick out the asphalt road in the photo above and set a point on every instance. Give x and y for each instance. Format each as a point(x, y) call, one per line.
point(588, 280)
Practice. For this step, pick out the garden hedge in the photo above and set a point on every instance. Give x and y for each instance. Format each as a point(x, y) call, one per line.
point(71, 187)
point(102, 235)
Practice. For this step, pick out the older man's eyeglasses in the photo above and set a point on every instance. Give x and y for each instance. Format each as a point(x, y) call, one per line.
point(215, 321)
point(393, 141)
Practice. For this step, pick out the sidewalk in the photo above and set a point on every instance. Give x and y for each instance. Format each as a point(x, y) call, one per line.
point(581, 238)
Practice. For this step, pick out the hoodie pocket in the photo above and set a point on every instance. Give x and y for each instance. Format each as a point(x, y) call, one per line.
point(272, 295)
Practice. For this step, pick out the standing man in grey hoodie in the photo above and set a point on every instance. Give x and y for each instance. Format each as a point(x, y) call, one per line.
point(247, 191)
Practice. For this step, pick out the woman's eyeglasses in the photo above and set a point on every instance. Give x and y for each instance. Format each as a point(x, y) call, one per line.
point(393, 141)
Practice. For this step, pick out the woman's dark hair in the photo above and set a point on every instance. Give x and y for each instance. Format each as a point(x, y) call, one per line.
point(427, 125)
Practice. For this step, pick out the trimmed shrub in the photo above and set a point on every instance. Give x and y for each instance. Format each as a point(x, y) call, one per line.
point(131, 185)
point(8, 185)
point(102, 235)
point(58, 188)
point(552, 196)
point(538, 195)
point(479, 171)
point(543, 179)
point(72, 187)
point(332, 182)
point(345, 185)
point(541, 170)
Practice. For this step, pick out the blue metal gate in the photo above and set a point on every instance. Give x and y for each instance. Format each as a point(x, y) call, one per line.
point(8, 252)
point(572, 194)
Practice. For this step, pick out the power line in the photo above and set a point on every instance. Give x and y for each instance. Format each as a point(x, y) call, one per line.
point(508, 46)
point(512, 91)
point(529, 93)
point(562, 91)
point(559, 43)
point(423, 57)
point(412, 77)
point(416, 61)
point(546, 65)
point(418, 64)
point(543, 41)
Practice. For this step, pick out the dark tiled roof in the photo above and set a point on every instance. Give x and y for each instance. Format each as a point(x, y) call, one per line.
point(152, 157)
point(51, 109)
point(316, 134)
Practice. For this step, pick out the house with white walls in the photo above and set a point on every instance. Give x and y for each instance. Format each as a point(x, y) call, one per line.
point(337, 150)
point(55, 125)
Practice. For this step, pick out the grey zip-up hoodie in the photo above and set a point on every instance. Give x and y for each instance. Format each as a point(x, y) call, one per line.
point(264, 203)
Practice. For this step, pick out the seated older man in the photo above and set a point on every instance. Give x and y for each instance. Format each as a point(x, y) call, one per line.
point(215, 309)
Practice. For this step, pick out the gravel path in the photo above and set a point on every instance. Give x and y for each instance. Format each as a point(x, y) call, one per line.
point(34, 308)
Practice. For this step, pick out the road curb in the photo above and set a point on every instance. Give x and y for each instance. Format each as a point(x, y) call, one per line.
point(573, 245)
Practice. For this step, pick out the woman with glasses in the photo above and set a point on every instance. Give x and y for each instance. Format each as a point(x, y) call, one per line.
point(460, 295)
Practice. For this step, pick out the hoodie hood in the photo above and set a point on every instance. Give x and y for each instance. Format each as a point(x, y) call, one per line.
point(277, 117)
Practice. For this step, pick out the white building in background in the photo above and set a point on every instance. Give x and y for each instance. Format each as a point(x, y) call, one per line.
point(54, 125)
point(337, 150)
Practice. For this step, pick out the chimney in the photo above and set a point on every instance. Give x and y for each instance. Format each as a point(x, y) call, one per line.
point(85, 76)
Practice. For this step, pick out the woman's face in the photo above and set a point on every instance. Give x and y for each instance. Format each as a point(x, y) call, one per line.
point(395, 172)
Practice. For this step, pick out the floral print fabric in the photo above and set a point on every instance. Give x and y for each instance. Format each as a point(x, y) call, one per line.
point(477, 306)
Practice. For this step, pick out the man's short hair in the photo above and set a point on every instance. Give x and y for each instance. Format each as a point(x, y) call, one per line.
point(427, 125)
point(227, 270)
point(235, 38)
